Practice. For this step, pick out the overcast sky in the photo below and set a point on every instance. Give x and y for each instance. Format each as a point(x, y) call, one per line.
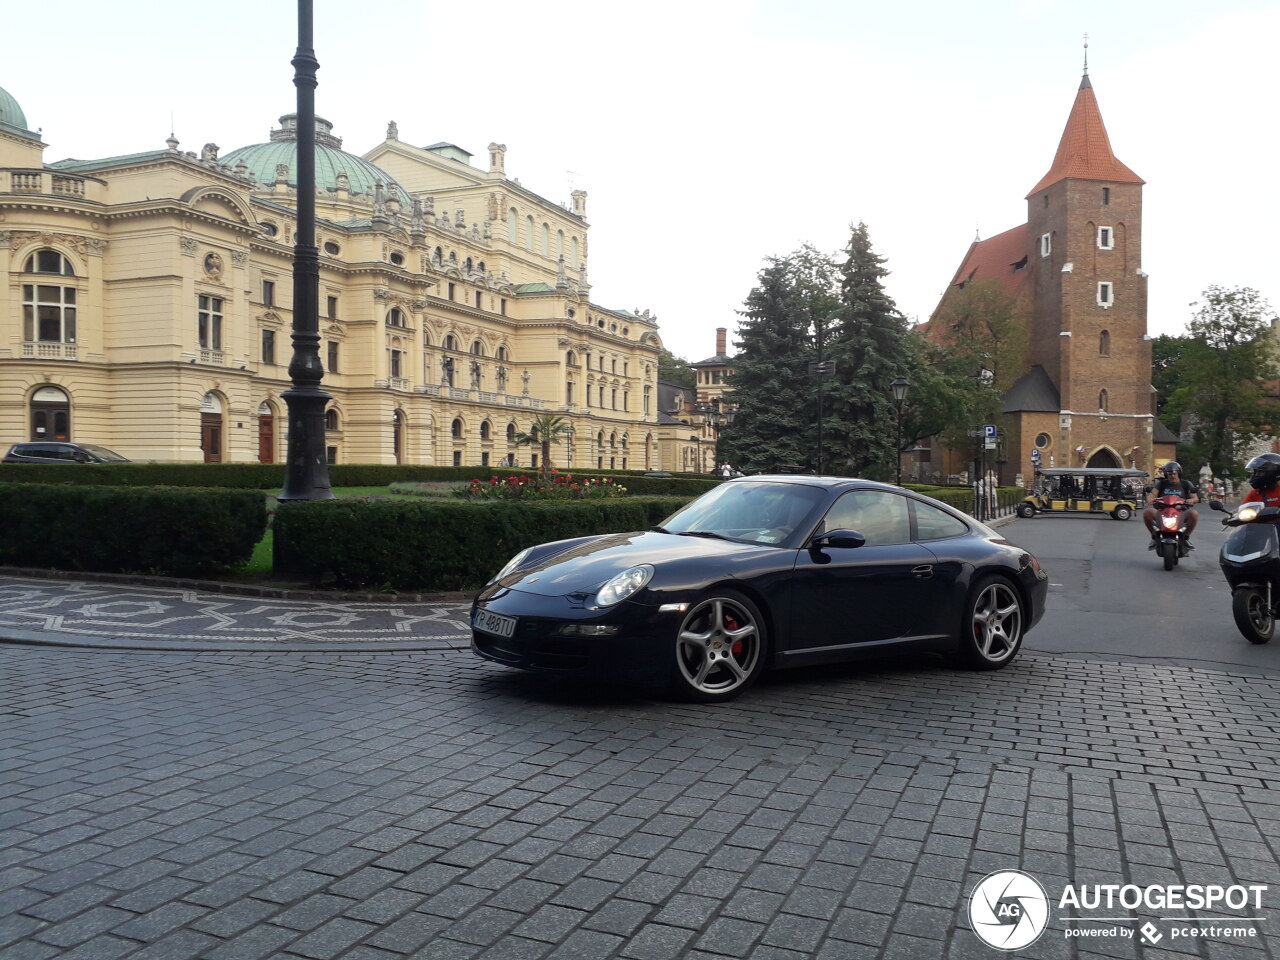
point(710, 135)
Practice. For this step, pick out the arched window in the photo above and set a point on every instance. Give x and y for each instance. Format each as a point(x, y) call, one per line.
point(559, 243)
point(1102, 401)
point(486, 431)
point(571, 358)
point(575, 262)
point(528, 240)
point(546, 239)
point(502, 354)
point(1104, 344)
point(450, 342)
point(331, 419)
point(395, 317)
point(49, 261)
point(455, 430)
point(437, 256)
point(511, 433)
point(477, 348)
point(513, 226)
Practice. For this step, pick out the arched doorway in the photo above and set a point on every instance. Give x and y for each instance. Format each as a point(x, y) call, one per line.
point(266, 433)
point(1104, 457)
point(50, 414)
point(397, 435)
point(211, 428)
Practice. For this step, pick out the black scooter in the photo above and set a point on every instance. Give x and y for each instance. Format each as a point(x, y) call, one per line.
point(1250, 560)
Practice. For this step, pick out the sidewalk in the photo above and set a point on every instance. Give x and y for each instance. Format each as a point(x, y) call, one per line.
point(158, 614)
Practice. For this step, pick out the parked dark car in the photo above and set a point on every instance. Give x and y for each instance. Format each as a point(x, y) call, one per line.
point(763, 572)
point(40, 451)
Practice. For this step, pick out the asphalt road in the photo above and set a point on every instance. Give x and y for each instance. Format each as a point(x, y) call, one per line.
point(1111, 597)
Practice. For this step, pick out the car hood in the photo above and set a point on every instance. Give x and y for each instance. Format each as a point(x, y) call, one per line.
point(585, 567)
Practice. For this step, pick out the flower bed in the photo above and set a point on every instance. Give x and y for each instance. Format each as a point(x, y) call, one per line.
point(543, 486)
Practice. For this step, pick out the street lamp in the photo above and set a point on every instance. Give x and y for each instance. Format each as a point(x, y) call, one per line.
point(899, 387)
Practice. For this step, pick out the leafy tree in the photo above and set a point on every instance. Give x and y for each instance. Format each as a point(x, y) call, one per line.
point(771, 387)
point(1223, 372)
point(1167, 352)
point(869, 350)
point(546, 429)
point(673, 369)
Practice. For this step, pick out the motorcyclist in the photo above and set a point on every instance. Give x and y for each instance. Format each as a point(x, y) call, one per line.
point(1171, 482)
point(1264, 477)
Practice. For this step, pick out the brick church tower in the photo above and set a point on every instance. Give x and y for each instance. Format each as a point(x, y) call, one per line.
point(1075, 272)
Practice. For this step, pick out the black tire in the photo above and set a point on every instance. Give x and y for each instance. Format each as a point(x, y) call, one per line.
point(720, 648)
point(1026, 511)
point(1253, 617)
point(993, 625)
point(1169, 554)
point(1122, 512)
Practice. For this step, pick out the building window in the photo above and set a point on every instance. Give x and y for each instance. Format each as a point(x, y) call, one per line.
point(1102, 401)
point(511, 433)
point(1105, 296)
point(48, 313)
point(269, 293)
point(268, 346)
point(331, 455)
point(568, 392)
point(502, 306)
point(455, 430)
point(333, 357)
point(1104, 344)
point(1105, 238)
point(1106, 196)
point(477, 348)
point(395, 363)
point(395, 317)
point(331, 420)
point(333, 308)
point(1046, 244)
point(486, 432)
point(457, 458)
point(477, 299)
point(1042, 440)
point(49, 261)
point(452, 290)
point(209, 323)
point(529, 227)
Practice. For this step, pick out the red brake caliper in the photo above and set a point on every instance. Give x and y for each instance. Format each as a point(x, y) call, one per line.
point(731, 623)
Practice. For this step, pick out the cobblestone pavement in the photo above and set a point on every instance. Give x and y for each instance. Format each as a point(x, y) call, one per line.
point(377, 805)
point(91, 613)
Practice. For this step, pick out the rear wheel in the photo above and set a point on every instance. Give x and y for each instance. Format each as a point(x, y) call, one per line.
point(1026, 511)
point(993, 624)
point(1122, 512)
point(1253, 616)
point(720, 648)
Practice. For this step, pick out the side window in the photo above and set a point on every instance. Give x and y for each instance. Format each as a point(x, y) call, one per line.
point(879, 516)
point(934, 524)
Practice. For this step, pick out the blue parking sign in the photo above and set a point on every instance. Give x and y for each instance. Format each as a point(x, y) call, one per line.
point(989, 431)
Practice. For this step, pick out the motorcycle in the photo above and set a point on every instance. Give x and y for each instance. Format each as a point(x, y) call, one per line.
point(1250, 560)
point(1171, 535)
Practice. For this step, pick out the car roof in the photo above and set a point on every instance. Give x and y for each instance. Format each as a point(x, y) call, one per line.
point(810, 480)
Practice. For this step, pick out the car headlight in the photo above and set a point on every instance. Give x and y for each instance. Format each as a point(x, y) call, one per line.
point(511, 565)
point(624, 584)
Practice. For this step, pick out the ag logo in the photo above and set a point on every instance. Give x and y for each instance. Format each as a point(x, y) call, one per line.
point(1008, 910)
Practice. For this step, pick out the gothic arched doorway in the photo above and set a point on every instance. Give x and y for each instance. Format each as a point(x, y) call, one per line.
point(1104, 457)
point(50, 415)
point(266, 433)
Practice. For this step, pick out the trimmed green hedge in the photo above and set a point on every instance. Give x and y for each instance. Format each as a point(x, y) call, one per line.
point(401, 545)
point(157, 530)
point(269, 477)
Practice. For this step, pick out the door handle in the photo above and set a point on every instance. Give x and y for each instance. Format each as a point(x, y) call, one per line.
point(923, 572)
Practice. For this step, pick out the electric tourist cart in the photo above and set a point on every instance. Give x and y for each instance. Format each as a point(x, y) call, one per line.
point(1114, 491)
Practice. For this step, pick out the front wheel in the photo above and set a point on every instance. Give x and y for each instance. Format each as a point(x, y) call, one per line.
point(1253, 616)
point(1026, 511)
point(720, 648)
point(1122, 512)
point(1169, 553)
point(993, 624)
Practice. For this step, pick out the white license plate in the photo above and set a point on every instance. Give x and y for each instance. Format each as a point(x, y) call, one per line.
point(494, 623)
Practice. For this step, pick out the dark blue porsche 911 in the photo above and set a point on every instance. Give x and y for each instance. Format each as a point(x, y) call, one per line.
point(760, 572)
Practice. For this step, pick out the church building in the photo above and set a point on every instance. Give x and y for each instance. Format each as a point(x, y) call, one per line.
point(1074, 271)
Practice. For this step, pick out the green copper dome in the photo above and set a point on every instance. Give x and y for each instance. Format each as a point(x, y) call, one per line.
point(11, 116)
point(262, 159)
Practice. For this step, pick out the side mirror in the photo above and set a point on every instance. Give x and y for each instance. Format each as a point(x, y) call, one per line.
point(838, 539)
point(1217, 505)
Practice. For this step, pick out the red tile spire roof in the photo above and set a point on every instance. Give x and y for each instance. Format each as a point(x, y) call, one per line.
point(1085, 151)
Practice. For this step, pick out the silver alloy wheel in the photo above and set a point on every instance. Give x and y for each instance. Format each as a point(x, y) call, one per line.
point(718, 647)
point(996, 627)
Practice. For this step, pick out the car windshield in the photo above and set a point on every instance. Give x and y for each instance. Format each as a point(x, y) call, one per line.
point(754, 512)
point(103, 453)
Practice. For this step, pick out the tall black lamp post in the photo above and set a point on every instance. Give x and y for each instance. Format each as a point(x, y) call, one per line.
point(900, 386)
point(307, 470)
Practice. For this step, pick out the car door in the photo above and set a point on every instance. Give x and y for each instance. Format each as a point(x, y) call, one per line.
point(860, 595)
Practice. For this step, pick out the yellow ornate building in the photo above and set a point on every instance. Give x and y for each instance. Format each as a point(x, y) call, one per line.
point(147, 306)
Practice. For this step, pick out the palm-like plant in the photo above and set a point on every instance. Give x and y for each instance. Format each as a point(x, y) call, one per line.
point(546, 429)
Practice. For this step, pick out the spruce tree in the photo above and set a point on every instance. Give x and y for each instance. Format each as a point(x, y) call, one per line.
point(869, 350)
point(771, 388)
